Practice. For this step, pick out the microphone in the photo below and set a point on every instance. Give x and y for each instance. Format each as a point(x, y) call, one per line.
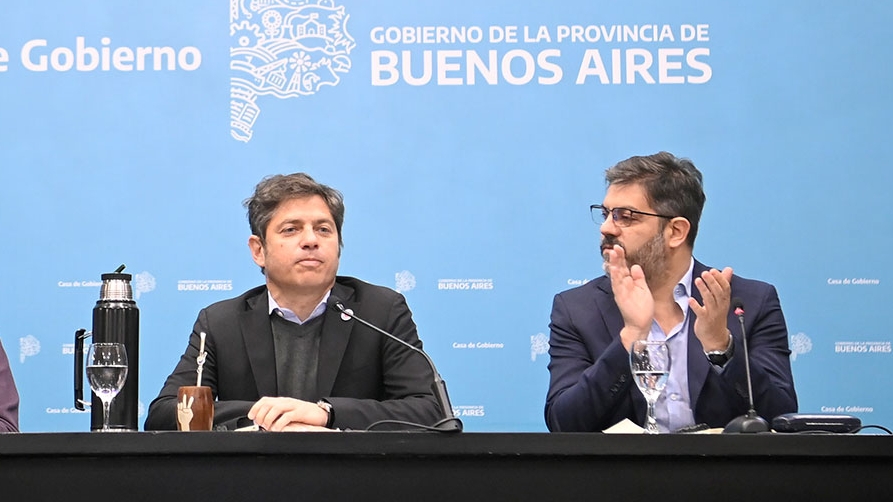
point(449, 423)
point(750, 422)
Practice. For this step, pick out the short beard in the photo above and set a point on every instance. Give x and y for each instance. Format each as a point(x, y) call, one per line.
point(651, 256)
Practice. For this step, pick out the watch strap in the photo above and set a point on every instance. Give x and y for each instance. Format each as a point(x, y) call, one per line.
point(330, 411)
point(721, 357)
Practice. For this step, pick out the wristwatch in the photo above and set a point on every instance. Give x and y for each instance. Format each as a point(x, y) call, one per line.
point(721, 357)
point(327, 407)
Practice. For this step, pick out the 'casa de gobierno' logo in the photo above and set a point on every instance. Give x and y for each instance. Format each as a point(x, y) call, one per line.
point(283, 48)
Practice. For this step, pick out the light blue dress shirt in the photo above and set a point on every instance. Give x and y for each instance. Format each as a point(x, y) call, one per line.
point(289, 315)
point(673, 407)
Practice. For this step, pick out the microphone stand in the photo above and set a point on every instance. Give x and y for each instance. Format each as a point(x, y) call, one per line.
point(750, 422)
point(449, 423)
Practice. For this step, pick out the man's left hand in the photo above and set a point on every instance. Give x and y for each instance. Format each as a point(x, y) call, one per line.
point(710, 326)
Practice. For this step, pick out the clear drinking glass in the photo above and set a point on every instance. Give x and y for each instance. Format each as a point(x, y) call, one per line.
point(649, 362)
point(107, 372)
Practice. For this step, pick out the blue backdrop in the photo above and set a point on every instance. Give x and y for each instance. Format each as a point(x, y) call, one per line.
point(469, 139)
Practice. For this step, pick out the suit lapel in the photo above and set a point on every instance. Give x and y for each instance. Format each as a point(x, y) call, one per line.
point(698, 366)
point(608, 307)
point(614, 323)
point(257, 334)
point(333, 342)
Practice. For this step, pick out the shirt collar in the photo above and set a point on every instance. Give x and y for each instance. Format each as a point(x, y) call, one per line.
point(682, 292)
point(289, 315)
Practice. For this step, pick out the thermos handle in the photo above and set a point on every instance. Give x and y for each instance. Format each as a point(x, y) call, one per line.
point(79, 337)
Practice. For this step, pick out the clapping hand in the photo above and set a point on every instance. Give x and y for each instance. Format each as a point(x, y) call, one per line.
point(710, 325)
point(632, 295)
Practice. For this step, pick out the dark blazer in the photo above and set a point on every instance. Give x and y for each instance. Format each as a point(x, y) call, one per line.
point(591, 386)
point(363, 374)
point(9, 397)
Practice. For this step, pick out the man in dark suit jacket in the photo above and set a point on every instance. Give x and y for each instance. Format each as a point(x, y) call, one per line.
point(278, 356)
point(654, 289)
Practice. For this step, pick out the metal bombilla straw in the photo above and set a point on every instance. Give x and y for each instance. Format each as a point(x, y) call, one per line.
point(202, 355)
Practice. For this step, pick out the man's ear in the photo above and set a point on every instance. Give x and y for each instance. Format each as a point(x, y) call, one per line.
point(677, 231)
point(257, 250)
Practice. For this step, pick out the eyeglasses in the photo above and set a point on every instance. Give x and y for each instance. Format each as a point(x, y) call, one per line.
point(622, 216)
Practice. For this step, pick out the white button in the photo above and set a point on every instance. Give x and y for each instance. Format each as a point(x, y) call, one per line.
point(674, 396)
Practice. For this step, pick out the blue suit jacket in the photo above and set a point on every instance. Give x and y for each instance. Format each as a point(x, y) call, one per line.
point(591, 387)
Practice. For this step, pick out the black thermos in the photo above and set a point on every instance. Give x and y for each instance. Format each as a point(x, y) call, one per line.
point(116, 318)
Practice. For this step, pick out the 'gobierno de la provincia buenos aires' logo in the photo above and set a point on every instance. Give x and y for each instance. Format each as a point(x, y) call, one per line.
point(283, 48)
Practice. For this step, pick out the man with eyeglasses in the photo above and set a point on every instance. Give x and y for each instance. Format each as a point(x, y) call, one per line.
point(653, 288)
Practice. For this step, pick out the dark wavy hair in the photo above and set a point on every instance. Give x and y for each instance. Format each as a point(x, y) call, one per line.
point(673, 186)
point(275, 189)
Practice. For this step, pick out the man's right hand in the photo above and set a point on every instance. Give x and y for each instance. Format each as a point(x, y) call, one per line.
point(277, 413)
point(632, 295)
